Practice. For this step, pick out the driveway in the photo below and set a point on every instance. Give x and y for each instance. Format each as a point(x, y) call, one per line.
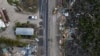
point(14, 17)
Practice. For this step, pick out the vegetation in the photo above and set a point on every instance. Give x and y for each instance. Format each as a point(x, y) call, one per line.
point(11, 2)
point(65, 3)
point(27, 24)
point(89, 25)
point(29, 5)
point(19, 37)
point(34, 36)
point(26, 5)
point(10, 42)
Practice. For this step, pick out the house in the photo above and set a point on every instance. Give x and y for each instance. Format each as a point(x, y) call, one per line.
point(24, 31)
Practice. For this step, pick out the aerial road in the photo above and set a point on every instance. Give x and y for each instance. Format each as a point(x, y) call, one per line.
point(51, 48)
point(44, 13)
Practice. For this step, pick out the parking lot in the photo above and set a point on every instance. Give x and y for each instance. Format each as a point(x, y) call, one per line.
point(15, 17)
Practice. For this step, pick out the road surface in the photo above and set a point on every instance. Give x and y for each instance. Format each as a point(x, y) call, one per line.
point(53, 44)
point(51, 48)
point(44, 13)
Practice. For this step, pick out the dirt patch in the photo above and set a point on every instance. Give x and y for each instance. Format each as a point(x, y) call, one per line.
point(29, 5)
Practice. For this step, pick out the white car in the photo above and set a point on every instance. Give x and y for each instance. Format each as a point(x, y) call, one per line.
point(32, 17)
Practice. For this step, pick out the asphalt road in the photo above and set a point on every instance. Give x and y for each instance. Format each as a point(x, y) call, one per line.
point(44, 13)
point(49, 24)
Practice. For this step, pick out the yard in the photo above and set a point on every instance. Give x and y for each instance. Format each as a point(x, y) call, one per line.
point(16, 17)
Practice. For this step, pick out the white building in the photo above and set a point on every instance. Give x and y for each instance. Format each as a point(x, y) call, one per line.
point(24, 31)
point(2, 24)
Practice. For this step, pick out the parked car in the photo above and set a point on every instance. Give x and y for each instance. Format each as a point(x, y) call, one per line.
point(32, 17)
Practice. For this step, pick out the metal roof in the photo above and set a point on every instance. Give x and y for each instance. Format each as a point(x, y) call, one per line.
point(24, 31)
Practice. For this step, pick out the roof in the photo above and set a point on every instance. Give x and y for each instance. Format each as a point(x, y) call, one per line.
point(4, 50)
point(24, 31)
point(2, 24)
point(66, 14)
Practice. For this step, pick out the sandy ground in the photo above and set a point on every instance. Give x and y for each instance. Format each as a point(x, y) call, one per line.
point(14, 17)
